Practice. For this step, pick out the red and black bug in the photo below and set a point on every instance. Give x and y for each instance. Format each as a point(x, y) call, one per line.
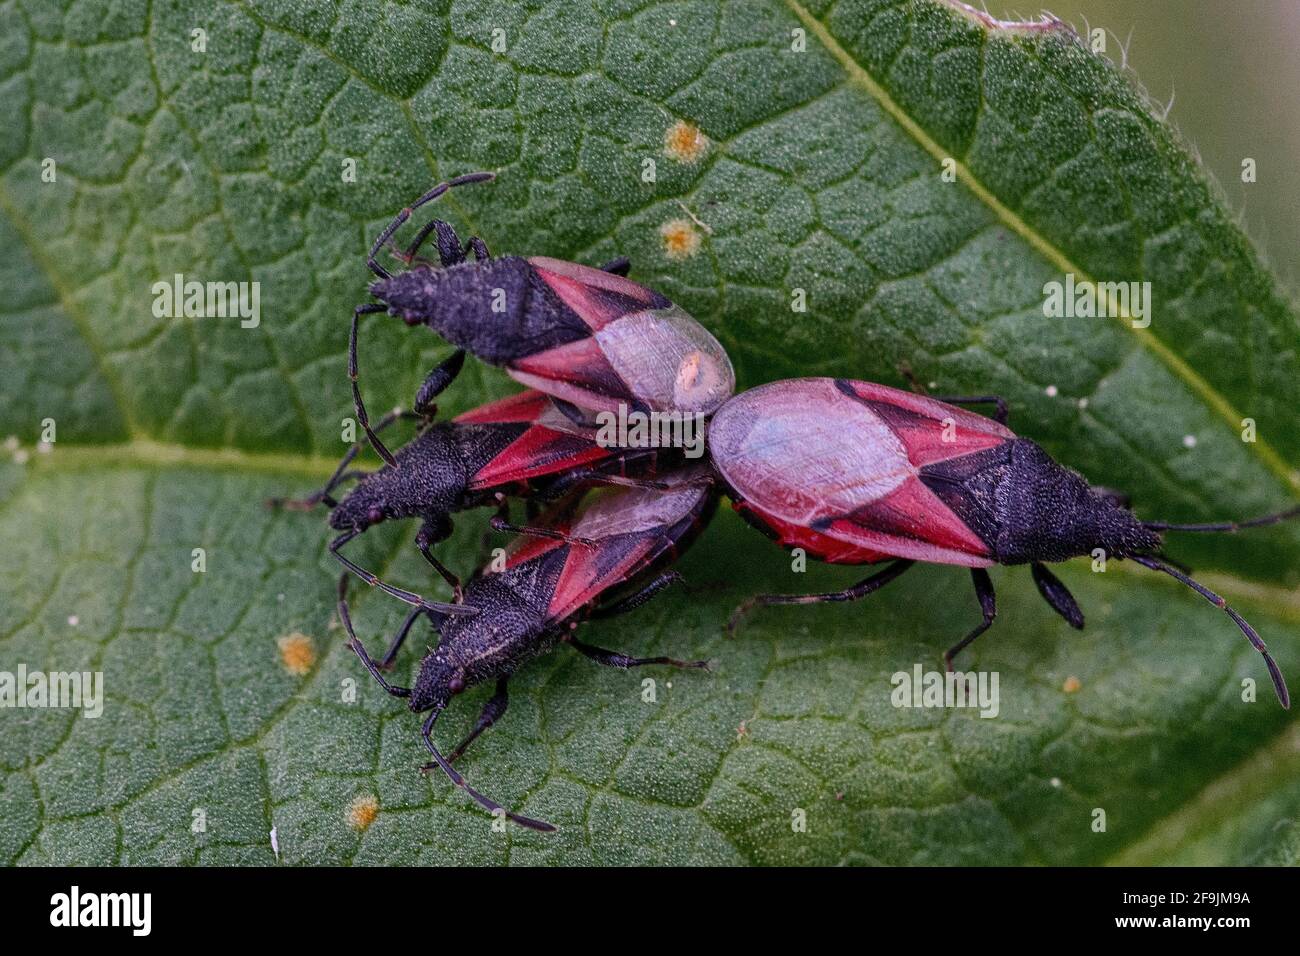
point(519, 445)
point(857, 473)
point(589, 337)
point(590, 547)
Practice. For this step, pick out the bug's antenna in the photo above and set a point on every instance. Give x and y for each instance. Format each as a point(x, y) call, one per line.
point(405, 214)
point(1226, 525)
point(490, 805)
point(1279, 682)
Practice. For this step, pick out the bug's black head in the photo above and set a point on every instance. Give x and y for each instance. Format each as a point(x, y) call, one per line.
point(1047, 512)
point(1119, 532)
point(438, 682)
point(367, 504)
point(428, 481)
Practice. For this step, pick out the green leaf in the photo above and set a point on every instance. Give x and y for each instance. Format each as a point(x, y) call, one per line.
point(822, 172)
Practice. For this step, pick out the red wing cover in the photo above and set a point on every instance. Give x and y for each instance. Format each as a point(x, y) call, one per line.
point(550, 444)
point(537, 453)
point(578, 372)
point(527, 406)
point(597, 297)
point(631, 529)
point(843, 458)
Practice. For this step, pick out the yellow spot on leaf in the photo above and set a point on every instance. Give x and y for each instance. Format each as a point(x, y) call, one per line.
point(363, 811)
point(1071, 685)
point(681, 238)
point(297, 653)
point(684, 142)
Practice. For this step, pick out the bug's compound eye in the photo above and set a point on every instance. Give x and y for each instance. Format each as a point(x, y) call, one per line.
point(375, 515)
point(456, 684)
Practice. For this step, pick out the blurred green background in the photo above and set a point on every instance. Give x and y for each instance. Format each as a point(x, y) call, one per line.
point(1232, 68)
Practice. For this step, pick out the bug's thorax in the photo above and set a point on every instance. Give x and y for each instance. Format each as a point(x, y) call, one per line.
point(509, 628)
point(1047, 512)
point(499, 310)
point(429, 480)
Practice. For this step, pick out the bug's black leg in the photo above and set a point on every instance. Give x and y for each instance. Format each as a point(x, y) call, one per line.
point(408, 256)
point(443, 374)
point(1057, 595)
point(359, 649)
point(395, 645)
point(339, 476)
point(854, 593)
point(431, 533)
point(642, 594)
point(449, 251)
point(357, 403)
point(448, 243)
point(580, 417)
point(619, 267)
point(615, 659)
point(439, 761)
point(499, 523)
point(988, 607)
point(1000, 416)
point(905, 369)
point(487, 540)
point(490, 714)
point(405, 214)
point(579, 476)
point(402, 595)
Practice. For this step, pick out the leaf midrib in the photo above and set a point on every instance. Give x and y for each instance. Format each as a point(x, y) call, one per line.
point(1215, 401)
point(144, 452)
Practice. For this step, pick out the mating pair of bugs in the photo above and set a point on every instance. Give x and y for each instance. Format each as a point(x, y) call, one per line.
point(851, 472)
